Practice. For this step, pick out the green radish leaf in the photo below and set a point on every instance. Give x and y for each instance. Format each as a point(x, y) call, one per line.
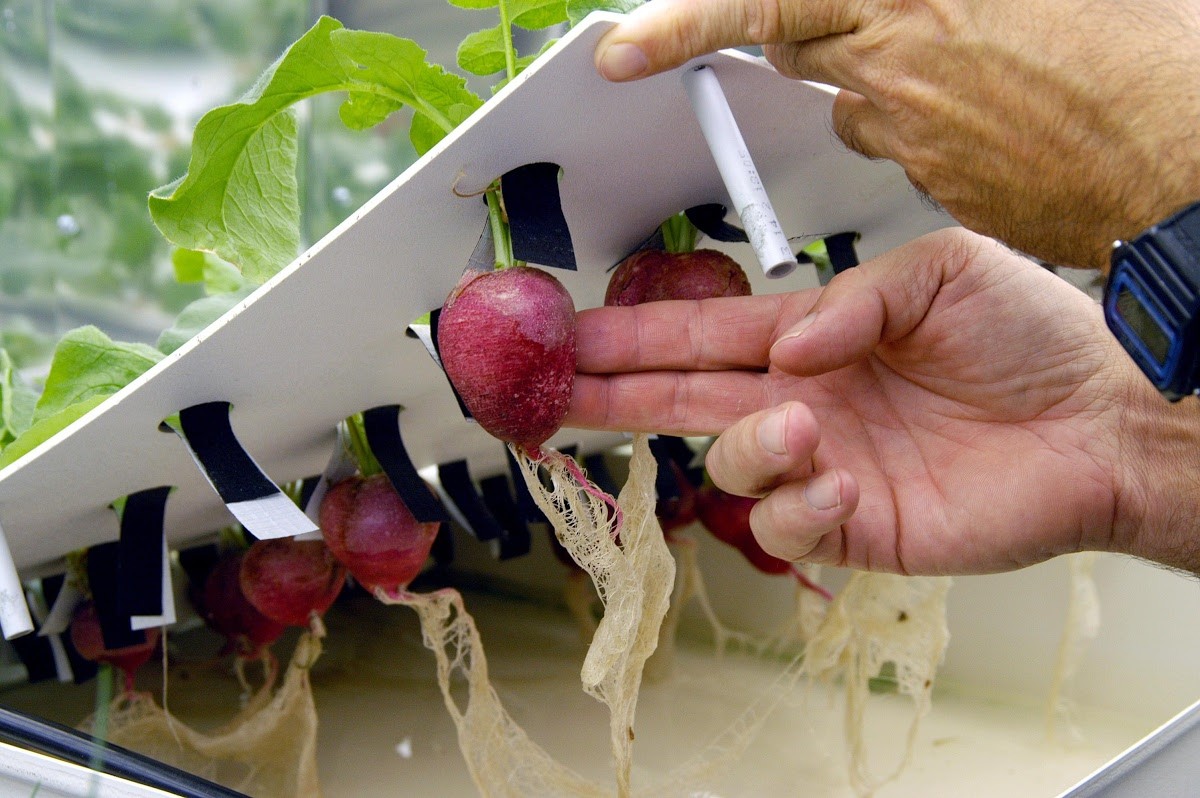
point(17, 401)
point(87, 363)
point(197, 316)
point(578, 9)
point(482, 52)
point(45, 429)
point(218, 276)
point(239, 197)
point(537, 14)
point(395, 70)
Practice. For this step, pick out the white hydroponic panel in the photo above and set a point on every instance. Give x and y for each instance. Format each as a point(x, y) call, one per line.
point(325, 338)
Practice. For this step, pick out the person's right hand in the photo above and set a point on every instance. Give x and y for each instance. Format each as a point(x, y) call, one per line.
point(947, 407)
point(1057, 126)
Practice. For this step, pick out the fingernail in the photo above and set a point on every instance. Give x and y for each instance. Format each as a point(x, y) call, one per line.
point(622, 62)
point(772, 432)
point(800, 327)
point(824, 492)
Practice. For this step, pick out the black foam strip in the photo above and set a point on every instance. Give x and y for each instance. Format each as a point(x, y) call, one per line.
point(434, 316)
point(525, 503)
point(140, 552)
point(455, 477)
point(666, 486)
point(597, 471)
point(442, 550)
point(308, 486)
point(37, 656)
point(676, 449)
point(103, 580)
point(382, 426)
point(842, 254)
point(710, 220)
point(535, 217)
point(83, 669)
point(516, 539)
point(232, 472)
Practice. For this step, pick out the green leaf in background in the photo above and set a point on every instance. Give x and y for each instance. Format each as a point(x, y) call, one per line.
point(87, 363)
point(239, 197)
point(218, 276)
point(578, 9)
point(45, 429)
point(395, 69)
point(17, 401)
point(482, 52)
point(197, 316)
point(474, 3)
point(537, 14)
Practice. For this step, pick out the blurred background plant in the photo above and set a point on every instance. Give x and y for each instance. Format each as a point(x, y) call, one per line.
point(98, 99)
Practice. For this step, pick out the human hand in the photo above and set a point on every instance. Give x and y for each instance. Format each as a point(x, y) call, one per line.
point(1057, 126)
point(948, 407)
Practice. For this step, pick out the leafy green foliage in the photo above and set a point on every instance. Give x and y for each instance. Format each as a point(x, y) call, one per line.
point(578, 9)
point(17, 401)
point(491, 50)
point(239, 198)
point(88, 363)
point(197, 316)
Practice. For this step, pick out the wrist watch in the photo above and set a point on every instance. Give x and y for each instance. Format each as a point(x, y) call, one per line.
point(1152, 302)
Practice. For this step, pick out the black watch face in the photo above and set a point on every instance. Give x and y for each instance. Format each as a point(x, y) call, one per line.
point(1143, 324)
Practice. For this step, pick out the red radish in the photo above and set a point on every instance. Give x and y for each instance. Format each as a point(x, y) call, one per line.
point(89, 642)
point(227, 611)
point(371, 531)
point(287, 579)
point(507, 341)
point(651, 275)
point(727, 517)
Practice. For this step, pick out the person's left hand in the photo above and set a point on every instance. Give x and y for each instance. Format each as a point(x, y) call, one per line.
point(947, 407)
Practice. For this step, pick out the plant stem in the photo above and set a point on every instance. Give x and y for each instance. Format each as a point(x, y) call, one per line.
point(679, 234)
point(510, 51)
point(367, 464)
point(501, 237)
point(104, 696)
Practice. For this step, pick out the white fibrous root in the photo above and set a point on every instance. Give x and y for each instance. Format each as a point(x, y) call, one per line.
point(1080, 628)
point(622, 548)
point(268, 750)
point(501, 758)
point(876, 619)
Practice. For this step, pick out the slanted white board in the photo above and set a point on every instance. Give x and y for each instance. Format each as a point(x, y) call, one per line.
point(325, 337)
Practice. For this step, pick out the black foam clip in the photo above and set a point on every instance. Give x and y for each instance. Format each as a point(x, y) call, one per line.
point(382, 427)
point(103, 571)
point(842, 254)
point(515, 540)
point(257, 502)
point(144, 589)
point(525, 503)
point(710, 220)
point(456, 480)
point(535, 217)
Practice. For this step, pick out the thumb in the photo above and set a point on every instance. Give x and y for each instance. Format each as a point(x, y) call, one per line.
point(879, 302)
point(663, 34)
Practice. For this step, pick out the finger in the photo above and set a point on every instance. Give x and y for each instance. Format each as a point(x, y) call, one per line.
point(862, 126)
point(802, 520)
point(666, 33)
point(764, 450)
point(676, 403)
point(710, 334)
point(825, 60)
point(878, 302)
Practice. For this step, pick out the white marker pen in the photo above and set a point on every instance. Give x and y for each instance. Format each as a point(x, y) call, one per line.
point(737, 171)
point(14, 612)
